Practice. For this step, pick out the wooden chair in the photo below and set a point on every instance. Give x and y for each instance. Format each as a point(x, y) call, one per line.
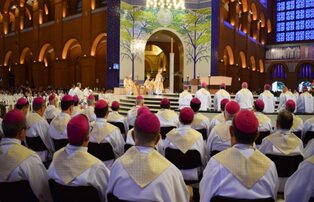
point(61, 193)
point(230, 199)
point(214, 152)
point(60, 143)
point(102, 151)
point(19, 191)
point(262, 135)
point(309, 135)
point(203, 131)
point(286, 165)
point(191, 159)
point(120, 125)
point(49, 120)
point(164, 130)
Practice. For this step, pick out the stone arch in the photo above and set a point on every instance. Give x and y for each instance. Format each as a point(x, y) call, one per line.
point(228, 53)
point(97, 40)
point(43, 51)
point(254, 11)
point(24, 52)
point(242, 58)
point(253, 63)
point(261, 66)
point(68, 45)
point(7, 58)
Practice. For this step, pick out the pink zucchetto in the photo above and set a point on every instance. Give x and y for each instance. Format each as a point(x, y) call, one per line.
point(196, 101)
point(186, 115)
point(67, 98)
point(246, 122)
point(244, 85)
point(186, 87)
point(77, 128)
point(115, 105)
point(232, 107)
point(164, 103)
point(267, 86)
point(142, 110)
point(91, 97)
point(52, 97)
point(223, 85)
point(75, 98)
point(204, 84)
point(223, 102)
point(21, 101)
point(290, 105)
point(304, 89)
point(139, 97)
point(14, 116)
point(147, 123)
point(260, 104)
point(101, 104)
point(38, 101)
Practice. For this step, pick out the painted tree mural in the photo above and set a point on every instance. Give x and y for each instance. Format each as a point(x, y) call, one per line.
point(195, 25)
point(135, 24)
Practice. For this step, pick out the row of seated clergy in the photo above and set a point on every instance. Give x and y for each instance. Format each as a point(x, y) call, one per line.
point(129, 182)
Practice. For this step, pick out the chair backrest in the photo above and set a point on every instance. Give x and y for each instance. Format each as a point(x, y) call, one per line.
point(61, 193)
point(203, 131)
point(262, 135)
point(311, 199)
point(19, 191)
point(49, 120)
point(214, 152)
point(60, 143)
point(102, 151)
point(127, 146)
point(120, 125)
point(113, 198)
point(130, 127)
point(229, 199)
point(165, 130)
point(298, 133)
point(307, 137)
point(36, 144)
point(191, 159)
point(286, 165)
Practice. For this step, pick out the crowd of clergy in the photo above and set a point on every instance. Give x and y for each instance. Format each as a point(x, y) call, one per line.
point(165, 156)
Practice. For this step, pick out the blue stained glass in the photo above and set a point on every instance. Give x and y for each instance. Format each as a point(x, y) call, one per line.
point(299, 35)
point(280, 37)
point(300, 4)
point(309, 24)
point(290, 26)
point(299, 14)
point(290, 15)
point(299, 25)
point(281, 26)
point(290, 5)
point(309, 34)
point(280, 16)
point(290, 36)
point(309, 13)
point(281, 6)
point(309, 3)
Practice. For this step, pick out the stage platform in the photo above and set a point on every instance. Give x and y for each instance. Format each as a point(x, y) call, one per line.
point(153, 102)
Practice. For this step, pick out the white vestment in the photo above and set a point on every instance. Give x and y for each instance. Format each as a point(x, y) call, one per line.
point(283, 98)
point(185, 99)
point(201, 121)
point(114, 117)
point(204, 96)
point(269, 101)
point(31, 169)
point(51, 112)
point(58, 126)
point(169, 186)
point(132, 114)
point(168, 117)
point(305, 103)
point(245, 98)
point(220, 95)
point(218, 180)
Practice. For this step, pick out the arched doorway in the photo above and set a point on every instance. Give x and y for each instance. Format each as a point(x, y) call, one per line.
point(157, 55)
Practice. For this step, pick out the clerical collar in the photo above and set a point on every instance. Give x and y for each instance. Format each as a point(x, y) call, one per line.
point(243, 146)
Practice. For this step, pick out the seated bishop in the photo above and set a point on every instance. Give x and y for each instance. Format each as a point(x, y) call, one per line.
point(132, 113)
point(104, 132)
point(200, 121)
point(204, 96)
point(297, 125)
point(219, 96)
point(73, 165)
point(18, 163)
point(166, 116)
point(115, 117)
point(263, 120)
point(185, 138)
point(219, 137)
point(219, 118)
point(142, 174)
point(52, 111)
point(185, 98)
point(232, 172)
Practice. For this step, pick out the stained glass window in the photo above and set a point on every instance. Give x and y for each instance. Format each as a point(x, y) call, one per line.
point(295, 20)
